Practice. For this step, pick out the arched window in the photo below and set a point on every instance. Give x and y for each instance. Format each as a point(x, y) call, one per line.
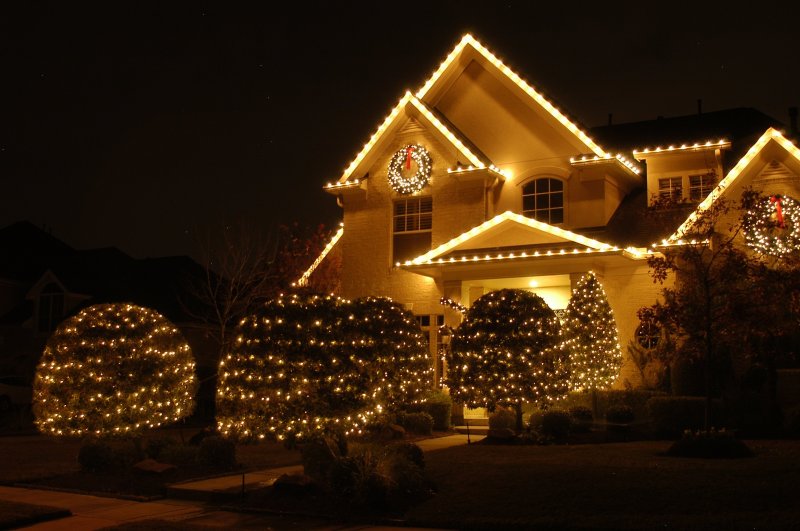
point(543, 200)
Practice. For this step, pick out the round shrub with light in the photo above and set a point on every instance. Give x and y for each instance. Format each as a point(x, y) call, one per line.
point(113, 370)
point(507, 352)
point(303, 364)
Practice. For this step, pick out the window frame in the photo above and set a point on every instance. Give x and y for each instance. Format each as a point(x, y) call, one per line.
point(537, 195)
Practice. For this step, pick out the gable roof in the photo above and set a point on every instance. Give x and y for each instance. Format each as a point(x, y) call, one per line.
point(749, 160)
point(476, 237)
point(453, 66)
point(409, 101)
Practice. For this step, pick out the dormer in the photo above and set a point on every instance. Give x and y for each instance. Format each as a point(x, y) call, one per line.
point(685, 173)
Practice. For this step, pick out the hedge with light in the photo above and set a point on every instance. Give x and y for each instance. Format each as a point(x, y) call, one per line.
point(305, 363)
point(113, 370)
point(590, 333)
point(507, 352)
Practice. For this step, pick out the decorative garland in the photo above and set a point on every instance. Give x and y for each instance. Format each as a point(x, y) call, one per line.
point(446, 301)
point(401, 162)
point(773, 226)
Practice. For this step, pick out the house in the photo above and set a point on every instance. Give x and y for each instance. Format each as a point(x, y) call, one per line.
point(43, 281)
point(477, 181)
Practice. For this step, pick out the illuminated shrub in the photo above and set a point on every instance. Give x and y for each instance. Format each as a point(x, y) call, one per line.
point(506, 352)
point(113, 370)
point(302, 364)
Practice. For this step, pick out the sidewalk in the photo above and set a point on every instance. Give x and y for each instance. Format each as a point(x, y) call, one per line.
point(93, 512)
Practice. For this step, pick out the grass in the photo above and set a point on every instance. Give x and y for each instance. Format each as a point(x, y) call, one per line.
point(16, 514)
point(610, 486)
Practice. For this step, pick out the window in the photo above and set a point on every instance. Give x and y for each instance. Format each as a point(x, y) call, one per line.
point(543, 200)
point(701, 185)
point(671, 188)
point(51, 308)
point(647, 334)
point(411, 226)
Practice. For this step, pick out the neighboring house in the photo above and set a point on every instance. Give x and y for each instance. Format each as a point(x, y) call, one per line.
point(478, 182)
point(43, 281)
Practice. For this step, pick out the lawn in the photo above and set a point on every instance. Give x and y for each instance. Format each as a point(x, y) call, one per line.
point(610, 486)
point(15, 514)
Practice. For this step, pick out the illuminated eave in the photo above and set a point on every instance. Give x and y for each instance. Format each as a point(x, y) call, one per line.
point(585, 160)
point(630, 252)
point(502, 174)
point(667, 244)
point(733, 175)
point(640, 154)
point(335, 188)
point(407, 99)
point(303, 280)
point(516, 79)
point(506, 216)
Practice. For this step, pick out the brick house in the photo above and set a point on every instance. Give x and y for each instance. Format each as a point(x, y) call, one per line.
point(478, 182)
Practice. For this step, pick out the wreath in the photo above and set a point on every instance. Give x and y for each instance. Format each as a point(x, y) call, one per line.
point(772, 227)
point(401, 178)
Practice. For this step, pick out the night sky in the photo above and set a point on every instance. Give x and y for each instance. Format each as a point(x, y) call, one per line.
point(144, 127)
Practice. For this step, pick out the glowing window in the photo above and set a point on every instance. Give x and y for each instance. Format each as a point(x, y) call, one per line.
point(543, 200)
point(411, 226)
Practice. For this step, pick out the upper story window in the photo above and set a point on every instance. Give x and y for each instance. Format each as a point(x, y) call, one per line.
point(51, 308)
point(411, 227)
point(701, 185)
point(543, 200)
point(670, 188)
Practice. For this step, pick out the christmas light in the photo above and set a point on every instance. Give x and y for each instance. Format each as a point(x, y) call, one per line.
point(304, 363)
point(450, 303)
point(595, 159)
point(403, 157)
point(113, 370)
point(507, 351)
point(696, 146)
point(772, 227)
point(770, 135)
point(468, 40)
point(590, 333)
point(303, 280)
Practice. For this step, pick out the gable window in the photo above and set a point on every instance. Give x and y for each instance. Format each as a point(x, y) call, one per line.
point(670, 188)
point(543, 200)
point(51, 308)
point(701, 185)
point(411, 227)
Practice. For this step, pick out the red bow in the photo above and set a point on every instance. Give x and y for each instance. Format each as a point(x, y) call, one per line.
point(408, 157)
point(778, 210)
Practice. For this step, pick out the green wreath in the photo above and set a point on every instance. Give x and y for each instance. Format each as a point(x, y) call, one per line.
point(772, 227)
point(402, 177)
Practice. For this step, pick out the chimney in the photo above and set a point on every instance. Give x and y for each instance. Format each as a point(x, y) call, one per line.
point(793, 121)
point(699, 106)
point(611, 118)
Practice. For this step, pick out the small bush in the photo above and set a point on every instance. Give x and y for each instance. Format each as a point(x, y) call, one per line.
point(671, 415)
point(620, 414)
point(319, 455)
point(406, 478)
point(179, 454)
point(157, 445)
point(439, 405)
point(503, 418)
point(96, 456)
point(217, 452)
point(419, 423)
point(409, 451)
point(555, 425)
point(709, 444)
point(581, 417)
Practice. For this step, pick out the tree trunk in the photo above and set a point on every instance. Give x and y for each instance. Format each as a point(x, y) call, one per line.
point(518, 411)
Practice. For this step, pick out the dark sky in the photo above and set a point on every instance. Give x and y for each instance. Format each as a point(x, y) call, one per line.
point(141, 127)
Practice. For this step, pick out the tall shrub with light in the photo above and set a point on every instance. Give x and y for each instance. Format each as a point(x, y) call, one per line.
point(590, 333)
point(508, 351)
point(305, 363)
point(113, 370)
